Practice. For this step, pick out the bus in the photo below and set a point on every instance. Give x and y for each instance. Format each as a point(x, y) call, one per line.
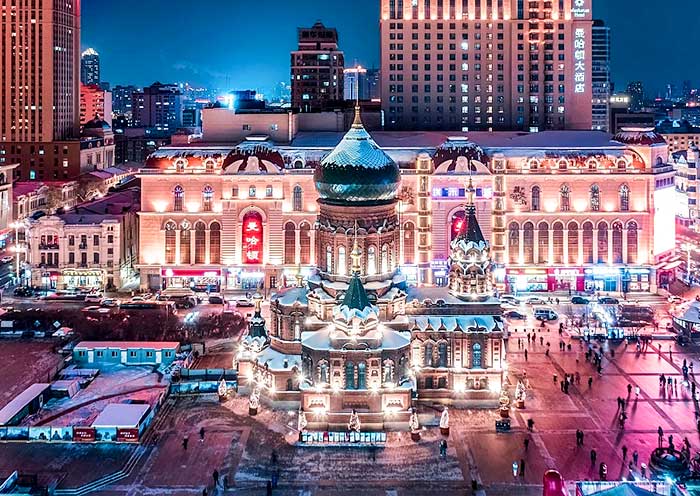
point(164, 306)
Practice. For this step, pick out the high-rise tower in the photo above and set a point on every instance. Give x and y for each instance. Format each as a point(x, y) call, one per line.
point(90, 67)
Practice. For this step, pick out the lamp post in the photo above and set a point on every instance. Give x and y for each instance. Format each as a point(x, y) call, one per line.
point(17, 249)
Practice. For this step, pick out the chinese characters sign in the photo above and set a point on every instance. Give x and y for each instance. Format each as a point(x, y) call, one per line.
point(579, 60)
point(252, 238)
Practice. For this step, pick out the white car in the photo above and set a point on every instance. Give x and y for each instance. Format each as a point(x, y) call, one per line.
point(7, 259)
point(535, 300)
point(109, 303)
point(93, 298)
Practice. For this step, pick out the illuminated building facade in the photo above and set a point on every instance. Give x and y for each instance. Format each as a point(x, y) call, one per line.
point(486, 64)
point(561, 210)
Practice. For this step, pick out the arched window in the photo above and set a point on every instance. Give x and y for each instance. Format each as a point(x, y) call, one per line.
point(595, 198)
point(624, 198)
point(268, 191)
point(428, 355)
point(290, 243)
point(543, 243)
point(329, 259)
point(535, 202)
point(297, 199)
point(632, 242)
point(476, 356)
point(215, 243)
point(170, 242)
point(185, 243)
point(371, 261)
point(409, 243)
point(305, 244)
point(323, 373)
point(209, 165)
point(617, 242)
point(200, 243)
point(587, 242)
point(385, 259)
point(558, 242)
point(342, 264)
point(180, 164)
point(442, 354)
point(573, 243)
point(513, 242)
point(603, 242)
point(178, 198)
point(207, 198)
point(362, 375)
point(349, 375)
point(528, 243)
point(564, 198)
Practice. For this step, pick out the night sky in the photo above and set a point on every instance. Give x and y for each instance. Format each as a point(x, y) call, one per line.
point(238, 44)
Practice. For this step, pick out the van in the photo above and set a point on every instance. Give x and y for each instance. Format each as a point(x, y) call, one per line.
point(544, 313)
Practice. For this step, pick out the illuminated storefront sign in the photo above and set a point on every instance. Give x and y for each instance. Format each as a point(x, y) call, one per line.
point(579, 60)
point(252, 238)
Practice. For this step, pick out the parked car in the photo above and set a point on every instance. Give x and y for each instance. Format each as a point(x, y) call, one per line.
point(580, 300)
point(608, 300)
point(515, 315)
point(535, 300)
point(511, 300)
point(109, 303)
point(675, 299)
point(244, 302)
point(23, 292)
point(544, 313)
point(93, 298)
point(7, 259)
point(216, 299)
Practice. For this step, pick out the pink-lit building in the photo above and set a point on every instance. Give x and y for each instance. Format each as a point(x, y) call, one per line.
point(578, 210)
point(486, 64)
point(94, 101)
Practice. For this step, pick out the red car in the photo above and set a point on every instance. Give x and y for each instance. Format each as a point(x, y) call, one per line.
point(553, 484)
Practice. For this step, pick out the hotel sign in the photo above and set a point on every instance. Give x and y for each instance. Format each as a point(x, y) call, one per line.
point(579, 9)
point(579, 60)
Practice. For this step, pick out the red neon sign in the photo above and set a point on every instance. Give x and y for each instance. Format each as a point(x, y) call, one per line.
point(252, 238)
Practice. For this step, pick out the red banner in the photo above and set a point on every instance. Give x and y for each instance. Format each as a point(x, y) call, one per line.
point(252, 238)
point(127, 435)
point(83, 434)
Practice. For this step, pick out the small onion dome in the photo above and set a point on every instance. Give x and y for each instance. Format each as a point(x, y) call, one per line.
point(357, 170)
point(640, 136)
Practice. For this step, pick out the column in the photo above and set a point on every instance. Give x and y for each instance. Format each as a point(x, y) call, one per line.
point(207, 240)
point(297, 247)
point(565, 248)
point(595, 245)
point(177, 247)
point(610, 245)
point(624, 245)
point(536, 245)
point(521, 248)
point(579, 257)
point(550, 252)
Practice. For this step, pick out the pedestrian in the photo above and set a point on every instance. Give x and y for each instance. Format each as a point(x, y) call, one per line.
point(546, 352)
point(590, 382)
point(561, 386)
point(670, 353)
point(629, 390)
point(204, 492)
point(566, 388)
point(593, 456)
point(568, 347)
point(624, 452)
point(184, 443)
point(526, 442)
point(273, 457)
point(555, 378)
point(520, 343)
point(269, 488)
point(443, 449)
point(530, 424)
point(636, 392)
point(201, 435)
point(635, 456)
point(660, 431)
point(541, 340)
point(522, 468)
point(215, 476)
point(581, 438)
point(662, 380)
point(526, 355)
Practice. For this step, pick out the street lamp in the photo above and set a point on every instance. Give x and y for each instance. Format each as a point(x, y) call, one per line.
point(17, 249)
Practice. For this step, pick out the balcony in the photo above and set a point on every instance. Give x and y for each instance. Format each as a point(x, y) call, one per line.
point(52, 246)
